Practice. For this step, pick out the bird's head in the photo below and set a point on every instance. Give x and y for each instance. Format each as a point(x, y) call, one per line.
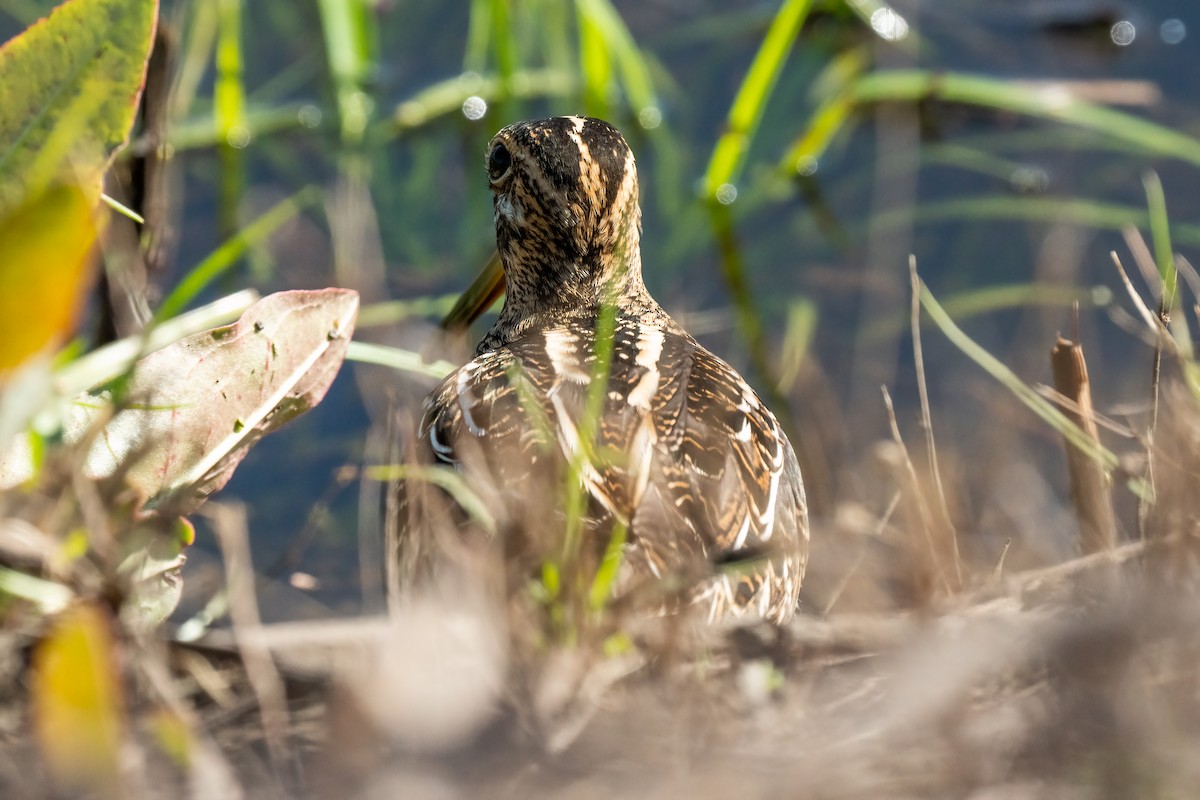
point(566, 210)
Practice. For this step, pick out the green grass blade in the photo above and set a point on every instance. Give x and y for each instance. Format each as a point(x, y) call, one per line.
point(728, 156)
point(1160, 236)
point(1045, 101)
point(595, 64)
point(831, 115)
point(597, 392)
point(392, 311)
point(1040, 406)
point(122, 209)
point(227, 255)
point(504, 43)
point(394, 357)
point(442, 477)
point(199, 46)
point(613, 38)
point(505, 52)
point(1109, 216)
point(556, 47)
point(974, 160)
point(229, 112)
point(50, 597)
point(588, 426)
point(830, 118)
point(1048, 102)
point(797, 337)
point(201, 131)
point(610, 567)
point(990, 299)
point(446, 97)
point(229, 92)
point(479, 25)
point(1164, 258)
point(349, 48)
point(531, 406)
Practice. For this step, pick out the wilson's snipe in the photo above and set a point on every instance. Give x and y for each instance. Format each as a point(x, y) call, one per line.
point(704, 477)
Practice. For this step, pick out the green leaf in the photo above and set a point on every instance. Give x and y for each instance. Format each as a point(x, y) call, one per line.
point(152, 557)
point(69, 87)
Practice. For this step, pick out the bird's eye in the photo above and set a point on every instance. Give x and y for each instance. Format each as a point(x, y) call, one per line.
point(499, 162)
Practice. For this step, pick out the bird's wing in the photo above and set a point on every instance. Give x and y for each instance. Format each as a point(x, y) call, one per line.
point(491, 412)
point(685, 452)
point(721, 478)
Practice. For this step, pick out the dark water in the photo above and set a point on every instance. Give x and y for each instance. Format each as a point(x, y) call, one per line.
point(838, 239)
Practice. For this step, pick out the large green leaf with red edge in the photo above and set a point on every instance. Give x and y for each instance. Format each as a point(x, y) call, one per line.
point(187, 416)
point(45, 254)
point(69, 87)
point(192, 410)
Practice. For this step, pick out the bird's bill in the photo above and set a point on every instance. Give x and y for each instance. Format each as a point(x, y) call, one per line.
point(485, 290)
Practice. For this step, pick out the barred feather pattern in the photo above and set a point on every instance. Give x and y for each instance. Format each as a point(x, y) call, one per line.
point(690, 459)
point(702, 472)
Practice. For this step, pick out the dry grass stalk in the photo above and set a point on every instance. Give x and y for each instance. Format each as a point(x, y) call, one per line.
point(1091, 491)
point(229, 523)
point(929, 526)
point(1159, 339)
point(943, 509)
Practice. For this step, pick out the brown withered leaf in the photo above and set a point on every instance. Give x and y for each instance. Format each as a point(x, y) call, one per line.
point(195, 408)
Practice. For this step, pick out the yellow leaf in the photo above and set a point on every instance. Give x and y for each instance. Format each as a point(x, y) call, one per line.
point(77, 702)
point(173, 736)
point(45, 255)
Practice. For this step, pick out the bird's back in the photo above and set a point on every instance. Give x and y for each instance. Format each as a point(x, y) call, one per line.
point(685, 453)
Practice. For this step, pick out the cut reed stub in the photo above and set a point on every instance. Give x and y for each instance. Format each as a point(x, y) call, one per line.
point(1090, 485)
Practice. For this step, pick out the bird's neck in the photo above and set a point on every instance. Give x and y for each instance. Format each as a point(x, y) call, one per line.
point(541, 294)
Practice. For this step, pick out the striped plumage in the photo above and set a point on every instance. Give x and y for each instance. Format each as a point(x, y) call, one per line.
point(688, 456)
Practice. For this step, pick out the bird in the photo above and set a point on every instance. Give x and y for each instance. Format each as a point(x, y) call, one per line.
point(683, 454)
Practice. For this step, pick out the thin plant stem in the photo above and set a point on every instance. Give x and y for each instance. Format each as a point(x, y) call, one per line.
point(927, 417)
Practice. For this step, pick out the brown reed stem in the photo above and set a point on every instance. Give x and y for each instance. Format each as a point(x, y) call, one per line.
point(1090, 485)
